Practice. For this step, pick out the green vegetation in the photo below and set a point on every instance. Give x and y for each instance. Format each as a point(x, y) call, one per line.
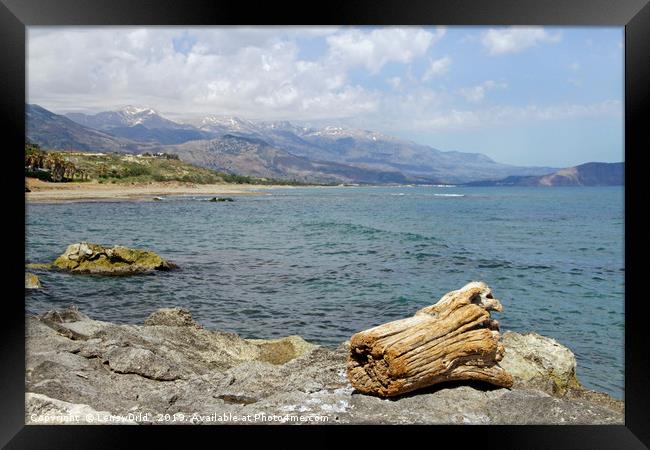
point(50, 166)
point(127, 168)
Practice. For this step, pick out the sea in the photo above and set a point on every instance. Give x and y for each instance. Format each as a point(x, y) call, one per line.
point(327, 262)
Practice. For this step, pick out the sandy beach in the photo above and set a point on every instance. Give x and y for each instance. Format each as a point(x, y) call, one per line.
point(44, 192)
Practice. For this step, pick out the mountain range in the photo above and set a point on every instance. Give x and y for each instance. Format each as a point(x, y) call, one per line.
point(268, 149)
point(58, 132)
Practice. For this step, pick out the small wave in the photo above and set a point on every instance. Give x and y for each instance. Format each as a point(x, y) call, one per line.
point(449, 195)
point(363, 230)
point(423, 255)
point(493, 264)
point(399, 194)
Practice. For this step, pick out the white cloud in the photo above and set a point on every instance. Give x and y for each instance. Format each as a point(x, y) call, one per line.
point(515, 39)
point(476, 94)
point(255, 73)
point(473, 94)
point(437, 67)
point(395, 82)
point(267, 73)
point(374, 49)
point(458, 120)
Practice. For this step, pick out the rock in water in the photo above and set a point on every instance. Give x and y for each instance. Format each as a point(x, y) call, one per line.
point(37, 266)
point(455, 339)
point(32, 281)
point(86, 257)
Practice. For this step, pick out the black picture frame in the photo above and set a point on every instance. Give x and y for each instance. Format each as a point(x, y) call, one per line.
point(15, 15)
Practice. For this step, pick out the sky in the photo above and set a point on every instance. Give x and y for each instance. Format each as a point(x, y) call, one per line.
point(547, 96)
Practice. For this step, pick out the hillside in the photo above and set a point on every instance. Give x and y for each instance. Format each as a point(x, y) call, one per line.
point(255, 157)
point(277, 149)
point(140, 124)
point(588, 174)
point(51, 130)
point(376, 151)
point(147, 168)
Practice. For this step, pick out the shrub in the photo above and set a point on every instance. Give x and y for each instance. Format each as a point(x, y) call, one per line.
point(135, 170)
point(40, 174)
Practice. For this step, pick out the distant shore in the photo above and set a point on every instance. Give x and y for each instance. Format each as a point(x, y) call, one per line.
point(46, 192)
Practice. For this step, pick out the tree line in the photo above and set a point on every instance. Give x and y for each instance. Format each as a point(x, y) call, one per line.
point(50, 166)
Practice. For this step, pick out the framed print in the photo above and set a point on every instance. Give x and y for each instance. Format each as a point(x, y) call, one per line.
point(365, 214)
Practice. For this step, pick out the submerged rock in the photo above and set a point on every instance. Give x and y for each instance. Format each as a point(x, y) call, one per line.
point(86, 257)
point(32, 281)
point(171, 365)
point(36, 266)
point(221, 199)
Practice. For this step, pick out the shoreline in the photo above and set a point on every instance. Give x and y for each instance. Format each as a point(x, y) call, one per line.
point(46, 192)
point(79, 364)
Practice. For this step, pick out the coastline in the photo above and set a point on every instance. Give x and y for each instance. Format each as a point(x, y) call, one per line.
point(170, 369)
point(45, 192)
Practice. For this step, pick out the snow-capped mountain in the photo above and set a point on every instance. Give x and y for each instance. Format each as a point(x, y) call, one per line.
point(58, 132)
point(332, 132)
point(285, 126)
point(227, 125)
point(369, 155)
point(128, 116)
point(140, 124)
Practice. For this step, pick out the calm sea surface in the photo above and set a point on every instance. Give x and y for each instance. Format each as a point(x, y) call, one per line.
point(325, 263)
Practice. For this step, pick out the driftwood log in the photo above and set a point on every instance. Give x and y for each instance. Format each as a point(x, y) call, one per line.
point(455, 339)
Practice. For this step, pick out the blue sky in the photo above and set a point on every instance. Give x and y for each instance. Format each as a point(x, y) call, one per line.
point(521, 95)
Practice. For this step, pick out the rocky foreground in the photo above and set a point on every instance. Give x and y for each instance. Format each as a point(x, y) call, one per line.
point(170, 370)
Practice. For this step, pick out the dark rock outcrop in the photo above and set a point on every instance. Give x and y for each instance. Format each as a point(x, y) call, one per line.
point(171, 365)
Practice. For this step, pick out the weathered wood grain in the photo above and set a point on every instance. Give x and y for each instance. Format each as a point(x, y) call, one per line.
point(455, 339)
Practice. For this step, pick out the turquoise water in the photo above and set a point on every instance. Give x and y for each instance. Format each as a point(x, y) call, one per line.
point(325, 263)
